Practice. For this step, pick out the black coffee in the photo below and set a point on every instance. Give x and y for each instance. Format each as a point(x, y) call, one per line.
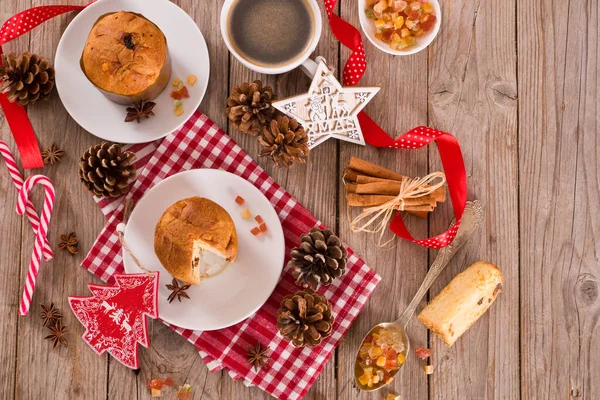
point(271, 33)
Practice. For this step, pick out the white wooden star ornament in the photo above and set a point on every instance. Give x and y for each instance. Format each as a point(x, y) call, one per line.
point(328, 110)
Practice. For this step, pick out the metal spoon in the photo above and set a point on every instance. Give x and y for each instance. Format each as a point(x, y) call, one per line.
point(472, 218)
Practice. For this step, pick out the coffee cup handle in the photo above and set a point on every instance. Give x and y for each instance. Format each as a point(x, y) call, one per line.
point(309, 67)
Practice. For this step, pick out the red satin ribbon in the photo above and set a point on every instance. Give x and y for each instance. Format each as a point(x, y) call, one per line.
point(16, 116)
point(450, 154)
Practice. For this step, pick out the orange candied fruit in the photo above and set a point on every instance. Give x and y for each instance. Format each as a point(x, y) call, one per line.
point(255, 231)
point(263, 227)
point(184, 92)
point(259, 219)
point(240, 200)
point(175, 95)
point(400, 22)
point(191, 79)
point(245, 214)
point(155, 384)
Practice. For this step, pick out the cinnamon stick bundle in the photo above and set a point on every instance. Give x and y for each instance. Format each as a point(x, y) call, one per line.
point(369, 185)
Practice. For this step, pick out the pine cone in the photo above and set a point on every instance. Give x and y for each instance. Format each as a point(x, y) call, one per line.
point(106, 171)
point(249, 107)
point(285, 141)
point(305, 318)
point(320, 258)
point(26, 78)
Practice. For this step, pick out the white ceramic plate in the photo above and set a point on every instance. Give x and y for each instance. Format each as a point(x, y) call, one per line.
point(368, 27)
point(246, 284)
point(105, 119)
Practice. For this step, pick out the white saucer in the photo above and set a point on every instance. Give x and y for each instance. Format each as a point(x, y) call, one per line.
point(246, 284)
point(105, 119)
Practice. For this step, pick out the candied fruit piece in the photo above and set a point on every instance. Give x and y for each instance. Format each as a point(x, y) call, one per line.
point(399, 21)
point(400, 359)
point(390, 365)
point(400, 5)
point(414, 15)
point(381, 360)
point(427, 7)
point(259, 219)
point(390, 354)
point(263, 227)
point(175, 95)
point(393, 396)
point(428, 369)
point(168, 381)
point(183, 91)
point(415, 5)
point(191, 79)
point(155, 384)
point(404, 32)
point(246, 214)
point(155, 393)
point(375, 352)
point(411, 24)
point(368, 372)
point(240, 200)
point(422, 353)
point(177, 83)
point(380, 7)
point(376, 379)
point(255, 231)
point(178, 111)
point(364, 380)
point(177, 103)
point(379, 24)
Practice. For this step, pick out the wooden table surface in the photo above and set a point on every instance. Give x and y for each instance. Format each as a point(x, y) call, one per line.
point(517, 82)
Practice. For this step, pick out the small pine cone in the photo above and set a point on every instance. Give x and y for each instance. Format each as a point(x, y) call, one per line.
point(321, 258)
point(249, 107)
point(26, 78)
point(285, 141)
point(305, 318)
point(106, 171)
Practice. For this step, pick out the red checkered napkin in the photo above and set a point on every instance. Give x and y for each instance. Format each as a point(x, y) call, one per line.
point(290, 372)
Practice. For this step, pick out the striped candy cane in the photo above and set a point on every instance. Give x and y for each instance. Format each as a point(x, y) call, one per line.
point(17, 179)
point(34, 265)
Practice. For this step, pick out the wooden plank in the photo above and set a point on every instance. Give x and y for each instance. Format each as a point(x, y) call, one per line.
point(399, 106)
point(10, 245)
point(313, 185)
point(472, 87)
point(75, 371)
point(560, 213)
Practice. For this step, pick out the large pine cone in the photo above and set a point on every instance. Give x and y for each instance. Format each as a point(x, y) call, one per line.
point(285, 141)
point(305, 318)
point(320, 258)
point(26, 78)
point(249, 107)
point(106, 171)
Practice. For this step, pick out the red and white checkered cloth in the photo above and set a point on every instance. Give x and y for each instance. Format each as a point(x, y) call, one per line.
point(290, 372)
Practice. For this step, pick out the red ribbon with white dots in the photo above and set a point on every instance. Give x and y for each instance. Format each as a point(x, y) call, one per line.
point(450, 154)
point(16, 116)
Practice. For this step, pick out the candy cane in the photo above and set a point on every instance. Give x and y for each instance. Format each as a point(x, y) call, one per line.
point(34, 265)
point(17, 179)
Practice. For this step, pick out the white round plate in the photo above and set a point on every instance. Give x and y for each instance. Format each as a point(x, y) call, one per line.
point(368, 27)
point(105, 119)
point(246, 284)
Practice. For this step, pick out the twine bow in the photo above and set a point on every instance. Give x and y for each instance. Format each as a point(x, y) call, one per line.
point(380, 216)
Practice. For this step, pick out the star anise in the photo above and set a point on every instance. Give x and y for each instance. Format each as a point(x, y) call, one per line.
point(177, 291)
point(57, 334)
point(140, 110)
point(52, 154)
point(49, 315)
point(69, 242)
point(257, 356)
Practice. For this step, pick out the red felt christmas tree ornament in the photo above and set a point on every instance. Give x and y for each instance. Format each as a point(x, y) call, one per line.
point(115, 316)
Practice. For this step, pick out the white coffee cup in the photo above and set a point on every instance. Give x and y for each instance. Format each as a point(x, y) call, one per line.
point(301, 60)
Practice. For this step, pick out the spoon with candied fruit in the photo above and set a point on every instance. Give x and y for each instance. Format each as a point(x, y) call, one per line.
point(383, 351)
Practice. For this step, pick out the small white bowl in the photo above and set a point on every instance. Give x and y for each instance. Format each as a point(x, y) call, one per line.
point(368, 27)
